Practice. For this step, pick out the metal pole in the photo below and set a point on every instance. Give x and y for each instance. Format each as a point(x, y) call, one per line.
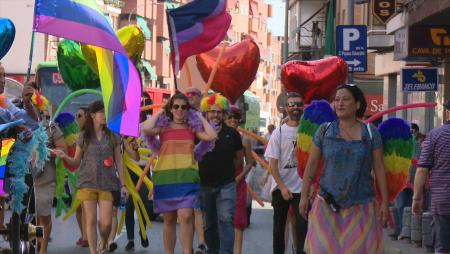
point(350, 18)
point(286, 32)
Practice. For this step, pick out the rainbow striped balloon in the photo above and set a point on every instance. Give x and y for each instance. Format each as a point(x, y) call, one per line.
point(317, 113)
point(398, 145)
point(6, 148)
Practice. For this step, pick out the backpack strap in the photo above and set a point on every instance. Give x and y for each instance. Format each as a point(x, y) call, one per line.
point(369, 130)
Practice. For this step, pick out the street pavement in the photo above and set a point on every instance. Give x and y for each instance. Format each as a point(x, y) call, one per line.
point(257, 238)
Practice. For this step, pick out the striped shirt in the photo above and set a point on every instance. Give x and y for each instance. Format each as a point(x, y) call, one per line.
point(435, 155)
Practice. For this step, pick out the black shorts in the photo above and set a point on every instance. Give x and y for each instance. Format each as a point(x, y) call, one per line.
point(441, 233)
point(116, 198)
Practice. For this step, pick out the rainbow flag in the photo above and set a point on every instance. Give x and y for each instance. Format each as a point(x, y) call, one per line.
point(6, 147)
point(398, 148)
point(196, 27)
point(82, 21)
point(78, 20)
point(123, 99)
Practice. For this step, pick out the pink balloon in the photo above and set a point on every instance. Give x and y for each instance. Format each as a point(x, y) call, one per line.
point(402, 107)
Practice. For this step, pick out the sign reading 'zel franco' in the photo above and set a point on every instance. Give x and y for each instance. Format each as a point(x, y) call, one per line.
point(419, 79)
point(384, 10)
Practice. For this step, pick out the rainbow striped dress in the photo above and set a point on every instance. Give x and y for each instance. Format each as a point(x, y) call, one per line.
point(175, 178)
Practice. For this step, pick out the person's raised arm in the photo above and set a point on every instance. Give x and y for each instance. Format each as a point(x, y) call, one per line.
point(150, 128)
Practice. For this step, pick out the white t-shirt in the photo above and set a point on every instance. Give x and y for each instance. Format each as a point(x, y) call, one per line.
point(288, 158)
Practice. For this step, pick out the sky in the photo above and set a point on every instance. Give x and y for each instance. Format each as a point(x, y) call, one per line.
point(276, 23)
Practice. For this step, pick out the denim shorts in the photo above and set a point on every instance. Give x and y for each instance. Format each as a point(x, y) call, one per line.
point(441, 233)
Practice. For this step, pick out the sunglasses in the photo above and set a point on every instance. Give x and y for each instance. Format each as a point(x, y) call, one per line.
point(192, 94)
point(235, 116)
point(176, 106)
point(80, 115)
point(295, 104)
point(217, 112)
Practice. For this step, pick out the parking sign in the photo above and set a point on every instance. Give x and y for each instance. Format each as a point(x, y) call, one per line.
point(351, 45)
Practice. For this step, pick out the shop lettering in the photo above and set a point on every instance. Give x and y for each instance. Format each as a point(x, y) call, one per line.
point(419, 87)
point(375, 106)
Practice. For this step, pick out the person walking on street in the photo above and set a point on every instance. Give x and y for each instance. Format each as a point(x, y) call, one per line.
point(176, 176)
point(344, 216)
point(45, 182)
point(217, 178)
point(435, 158)
point(287, 184)
point(101, 171)
point(81, 115)
point(240, 216)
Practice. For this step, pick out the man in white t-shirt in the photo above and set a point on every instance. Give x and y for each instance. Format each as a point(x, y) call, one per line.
point(286, 186)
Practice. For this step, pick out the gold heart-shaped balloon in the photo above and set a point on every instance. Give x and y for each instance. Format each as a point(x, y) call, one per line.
point(132, 39)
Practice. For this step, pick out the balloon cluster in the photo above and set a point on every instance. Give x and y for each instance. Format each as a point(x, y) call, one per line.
point(78, 63)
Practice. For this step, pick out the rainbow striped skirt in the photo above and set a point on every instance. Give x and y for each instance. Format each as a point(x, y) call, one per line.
point(354, 230)
point(175, 178)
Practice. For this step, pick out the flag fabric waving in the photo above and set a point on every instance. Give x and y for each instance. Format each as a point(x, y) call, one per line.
point(196, 27)
point(115, 68)
point(82, 21)
point(78, 20)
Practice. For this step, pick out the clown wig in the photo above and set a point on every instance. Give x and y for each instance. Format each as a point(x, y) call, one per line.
point(215, 99)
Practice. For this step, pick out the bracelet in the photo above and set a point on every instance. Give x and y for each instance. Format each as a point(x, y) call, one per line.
point(417, 199)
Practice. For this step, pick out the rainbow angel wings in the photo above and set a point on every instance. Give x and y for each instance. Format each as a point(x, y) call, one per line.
point(317, 113)
point(398, 145)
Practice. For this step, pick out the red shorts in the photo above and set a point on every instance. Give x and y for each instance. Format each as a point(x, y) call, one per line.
point(240, 213)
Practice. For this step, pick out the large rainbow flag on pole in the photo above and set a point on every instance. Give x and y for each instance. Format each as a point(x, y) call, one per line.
point(196, 27)
point(83, 21)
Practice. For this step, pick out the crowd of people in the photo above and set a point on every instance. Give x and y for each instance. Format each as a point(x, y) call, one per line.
point(200, 176)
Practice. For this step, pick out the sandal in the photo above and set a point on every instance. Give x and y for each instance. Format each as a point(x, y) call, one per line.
point(102, 251)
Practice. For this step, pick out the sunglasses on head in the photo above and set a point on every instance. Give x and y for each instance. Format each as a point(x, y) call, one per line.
point(192, 94)
point(80, 115)
point(235, 116)
point(176, 106)
point(295, 104)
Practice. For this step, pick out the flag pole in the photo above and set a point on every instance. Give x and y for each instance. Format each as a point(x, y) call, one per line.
point(30, 57)
point(214, 70)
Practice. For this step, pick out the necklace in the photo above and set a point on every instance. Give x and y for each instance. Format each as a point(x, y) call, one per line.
point(347, 133)
point(179, 122)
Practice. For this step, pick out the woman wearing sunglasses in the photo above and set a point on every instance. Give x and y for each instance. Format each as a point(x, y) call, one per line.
point(175, 178)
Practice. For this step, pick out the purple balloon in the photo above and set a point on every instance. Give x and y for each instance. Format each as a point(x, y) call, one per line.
point(7, 34)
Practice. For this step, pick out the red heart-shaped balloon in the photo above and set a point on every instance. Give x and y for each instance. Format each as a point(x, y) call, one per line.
point(236, 71)
point(314, 79)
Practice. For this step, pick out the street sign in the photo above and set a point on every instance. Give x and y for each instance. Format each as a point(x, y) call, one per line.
point(419, 79)
point(351, 45)
point(384, 10)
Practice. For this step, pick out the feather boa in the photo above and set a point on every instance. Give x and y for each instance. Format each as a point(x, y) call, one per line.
point(19, 164)
point(194, 122)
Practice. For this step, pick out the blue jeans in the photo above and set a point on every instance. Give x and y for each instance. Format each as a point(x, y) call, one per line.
point(218, 204)
point(403, 200)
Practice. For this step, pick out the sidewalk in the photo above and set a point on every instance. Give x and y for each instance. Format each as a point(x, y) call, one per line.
point(401, 247)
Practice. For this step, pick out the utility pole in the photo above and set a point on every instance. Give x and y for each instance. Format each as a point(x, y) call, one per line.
point(286, 32)
point(350, 18)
